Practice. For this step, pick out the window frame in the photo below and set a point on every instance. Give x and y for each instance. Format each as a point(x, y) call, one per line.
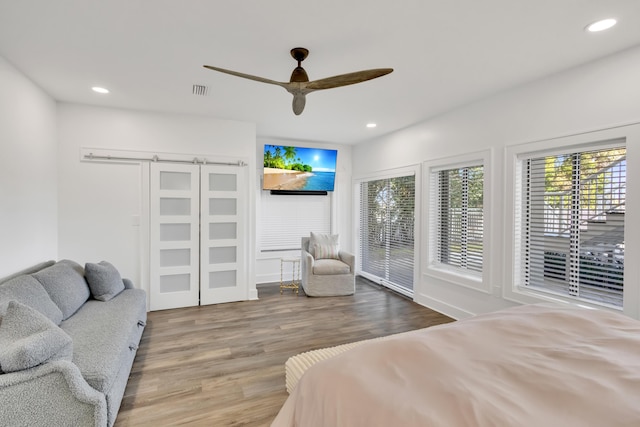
point(554, 243)
point(388, 174)
point(433, 268)
point(514, 289)
point(447, 235)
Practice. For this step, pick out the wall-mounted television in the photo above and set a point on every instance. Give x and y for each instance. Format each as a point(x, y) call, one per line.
point(299, 170)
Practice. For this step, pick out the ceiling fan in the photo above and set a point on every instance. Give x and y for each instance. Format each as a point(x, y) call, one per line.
point(299, 85)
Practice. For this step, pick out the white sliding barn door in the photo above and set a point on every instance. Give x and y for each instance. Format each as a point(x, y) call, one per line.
point(174, 234)
point(198, 216)
point(222, 236)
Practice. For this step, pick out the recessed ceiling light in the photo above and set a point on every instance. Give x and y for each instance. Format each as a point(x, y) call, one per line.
point(99, 89)
point(371, 125)
point(601, 25)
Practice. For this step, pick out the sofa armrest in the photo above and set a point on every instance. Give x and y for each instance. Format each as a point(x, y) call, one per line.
point(348, 259)
point(51, 394)
point(128, 284)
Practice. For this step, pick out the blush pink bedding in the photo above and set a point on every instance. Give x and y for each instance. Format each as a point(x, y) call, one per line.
point(533, 365)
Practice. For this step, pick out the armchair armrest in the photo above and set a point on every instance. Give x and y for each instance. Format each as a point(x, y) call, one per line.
point(306, 264)
point(348, 259)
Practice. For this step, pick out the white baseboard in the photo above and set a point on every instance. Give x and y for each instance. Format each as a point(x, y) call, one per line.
point(442, 307)
point(268, 278)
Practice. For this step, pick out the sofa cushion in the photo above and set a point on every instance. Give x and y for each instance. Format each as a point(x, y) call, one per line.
point(28, 339)
point(105, 334)
point(66, 285)
point(27, 271)
point(28, 291)
point(330, 266)
point(104, 280)
point(323, 239)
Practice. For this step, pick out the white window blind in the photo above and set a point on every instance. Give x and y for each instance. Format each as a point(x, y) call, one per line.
point(572, 224)
point(460, 218)
point(285, 219)
point(387, 212)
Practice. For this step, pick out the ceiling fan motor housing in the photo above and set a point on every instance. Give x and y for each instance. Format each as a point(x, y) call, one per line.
point(299, 75)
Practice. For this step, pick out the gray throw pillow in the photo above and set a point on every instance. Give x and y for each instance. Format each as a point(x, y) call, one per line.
point(104, 280)
point(65, 284)
point(326, 251)
point(28, 339)
point(323, 239)
point(28, 291)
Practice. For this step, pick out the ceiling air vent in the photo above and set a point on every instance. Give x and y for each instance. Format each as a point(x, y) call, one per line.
point(200, 90)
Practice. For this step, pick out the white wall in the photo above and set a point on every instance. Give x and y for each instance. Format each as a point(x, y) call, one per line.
point(28, 181)
point(100, 204)
point(595, 96)
point(268, 264)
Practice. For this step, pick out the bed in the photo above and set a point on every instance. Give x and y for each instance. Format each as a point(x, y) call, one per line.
point(532, 365)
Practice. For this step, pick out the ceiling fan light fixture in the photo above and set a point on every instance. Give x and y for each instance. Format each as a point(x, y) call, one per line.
point(603, 24)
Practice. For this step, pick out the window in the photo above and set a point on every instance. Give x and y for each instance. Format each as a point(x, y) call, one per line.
point(572, 218)
point(387, 212)
point(459, 217)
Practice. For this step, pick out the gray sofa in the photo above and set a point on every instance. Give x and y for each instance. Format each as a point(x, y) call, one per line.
point(68, 337)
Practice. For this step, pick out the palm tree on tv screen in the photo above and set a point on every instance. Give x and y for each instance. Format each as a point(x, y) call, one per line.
point(289, 154)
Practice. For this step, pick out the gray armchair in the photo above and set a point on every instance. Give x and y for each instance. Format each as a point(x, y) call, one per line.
point(327, 277)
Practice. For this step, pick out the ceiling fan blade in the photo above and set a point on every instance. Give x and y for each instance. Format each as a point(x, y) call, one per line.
point(299, 100)
point(245, 76)
point(347, 79)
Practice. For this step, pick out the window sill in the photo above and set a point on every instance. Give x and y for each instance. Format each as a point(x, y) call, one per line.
point(533, 296)
point(458, 277)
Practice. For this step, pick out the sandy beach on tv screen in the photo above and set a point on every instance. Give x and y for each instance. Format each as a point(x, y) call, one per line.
point(281, 179)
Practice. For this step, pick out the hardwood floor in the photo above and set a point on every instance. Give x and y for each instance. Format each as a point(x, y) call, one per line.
point(223, 365)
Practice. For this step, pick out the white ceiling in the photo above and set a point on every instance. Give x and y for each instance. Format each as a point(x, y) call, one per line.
point(445, 54)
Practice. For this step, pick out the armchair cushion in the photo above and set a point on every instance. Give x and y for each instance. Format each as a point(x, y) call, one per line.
point(330, 266)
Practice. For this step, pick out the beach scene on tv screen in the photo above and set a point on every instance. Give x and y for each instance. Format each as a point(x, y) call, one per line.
point(299, 168)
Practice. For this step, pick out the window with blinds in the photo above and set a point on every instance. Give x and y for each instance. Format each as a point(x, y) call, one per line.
point(572, 224)
point(286, 219)
point(387, 212)
point(459, 217)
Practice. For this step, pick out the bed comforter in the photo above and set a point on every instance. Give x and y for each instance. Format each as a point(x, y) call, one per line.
point(534, 365)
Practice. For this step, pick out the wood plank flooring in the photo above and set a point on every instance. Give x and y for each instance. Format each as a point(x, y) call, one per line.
point(223, 365)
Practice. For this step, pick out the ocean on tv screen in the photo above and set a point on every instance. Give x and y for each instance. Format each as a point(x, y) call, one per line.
point(299, 169)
